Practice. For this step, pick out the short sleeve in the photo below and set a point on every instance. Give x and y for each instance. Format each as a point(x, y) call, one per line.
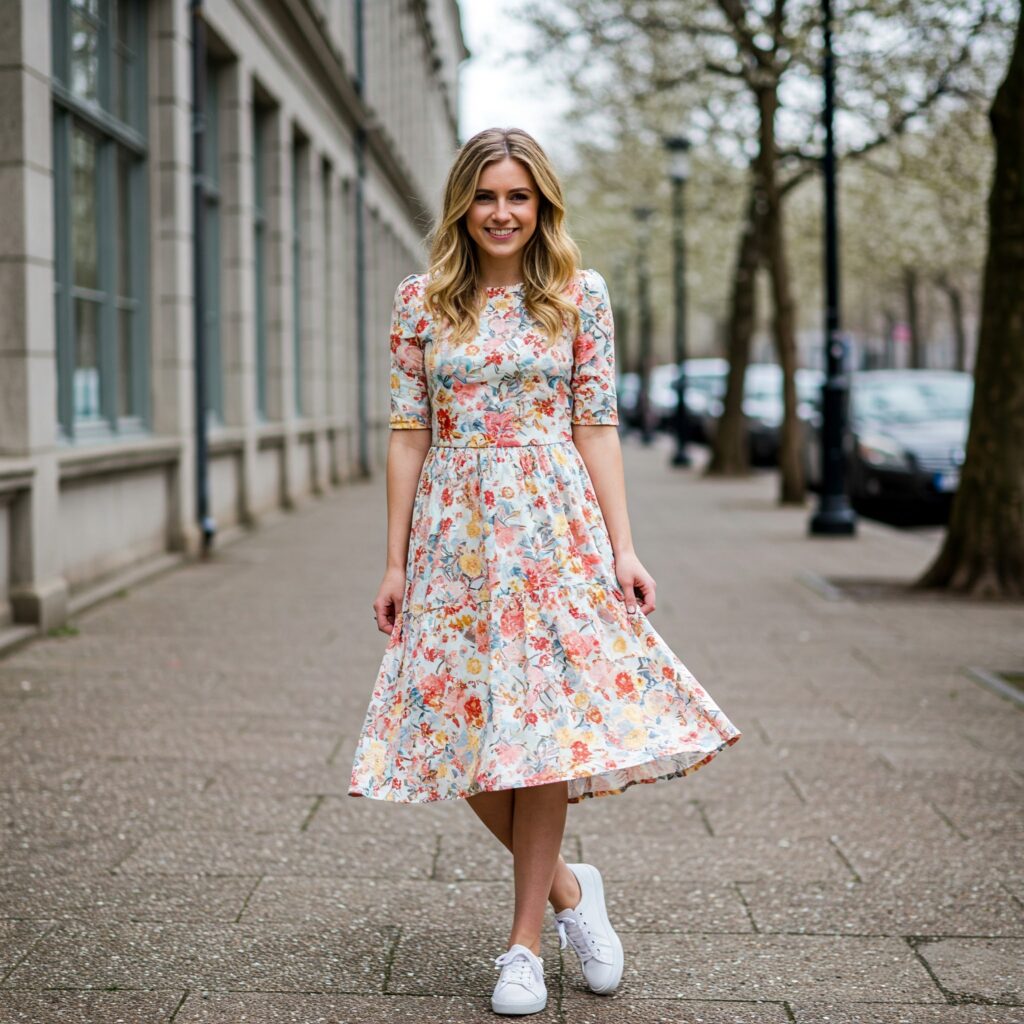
point(410, 399)
point(593, 371)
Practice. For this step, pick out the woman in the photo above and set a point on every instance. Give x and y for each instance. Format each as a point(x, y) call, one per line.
point(521, 673)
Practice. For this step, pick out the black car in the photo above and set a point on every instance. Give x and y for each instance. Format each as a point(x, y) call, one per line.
point(908, 430)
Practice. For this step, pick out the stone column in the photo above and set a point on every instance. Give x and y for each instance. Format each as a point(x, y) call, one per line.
point(280, 361)
point(238, 330)
point(172, 341)
point(28, 353)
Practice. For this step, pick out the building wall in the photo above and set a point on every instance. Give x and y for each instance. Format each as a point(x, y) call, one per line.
point(97, 433)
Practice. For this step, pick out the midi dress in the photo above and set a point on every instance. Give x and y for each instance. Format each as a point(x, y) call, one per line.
point(513, 661)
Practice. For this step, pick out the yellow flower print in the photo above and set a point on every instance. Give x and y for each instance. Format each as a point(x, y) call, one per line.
point(620, 646)
point(581, 700)
point(473, 528)
point(440, 738)
point(636, 738)
point(560, 525)
point(471, 564)
point(632, 713)
point(564, 736)
point(473, 665)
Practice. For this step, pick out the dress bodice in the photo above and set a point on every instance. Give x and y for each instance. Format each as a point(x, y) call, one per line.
point(506, 386)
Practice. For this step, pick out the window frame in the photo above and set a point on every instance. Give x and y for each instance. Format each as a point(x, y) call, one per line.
point(111, 138)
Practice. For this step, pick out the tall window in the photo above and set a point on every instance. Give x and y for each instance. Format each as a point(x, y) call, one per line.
point(100, 239)
point(298, 206)
point(328, 282)
point(259, 227)
point(211, 246)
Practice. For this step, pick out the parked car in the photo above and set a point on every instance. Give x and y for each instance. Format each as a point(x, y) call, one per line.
point(905, 445)
point(763, 407)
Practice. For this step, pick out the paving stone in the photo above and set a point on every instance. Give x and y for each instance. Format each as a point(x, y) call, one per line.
point(249, 957)
point(47, 896)
point(341, 814)
point(252, 853)
point(881, 908)
point(59, 852)
point(668, 856)
point(767, 967)
point(444, 960)
point(285, 1008)
point(392, 901)
point(868, 1013)
point(482, 858)
point(899, 859)
point(622, 1007)
point(83, 812)
point(55, 1007)
point(978, 970)
point(17, 938)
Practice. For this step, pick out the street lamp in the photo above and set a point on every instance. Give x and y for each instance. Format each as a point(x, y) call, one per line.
point(678, 147)
point(834, 516)
point(642, 215)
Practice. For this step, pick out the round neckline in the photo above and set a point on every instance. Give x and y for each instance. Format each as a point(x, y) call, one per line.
point(502, 287)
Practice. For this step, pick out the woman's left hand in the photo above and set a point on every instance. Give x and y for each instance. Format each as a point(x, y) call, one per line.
point(636, 582)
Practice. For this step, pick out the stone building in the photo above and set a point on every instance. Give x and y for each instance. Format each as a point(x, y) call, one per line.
point(328, 126)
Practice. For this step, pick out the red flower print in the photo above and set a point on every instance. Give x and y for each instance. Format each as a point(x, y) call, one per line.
point(531, 717)
point(489, 499)
point(541, 576)
point(624, 685)
point(584, 348)
point(512, 622)
point(432, 691)
point(474, 711)
point(594, 715)
point(445, 425)
point(580, 752)
point(501, 428)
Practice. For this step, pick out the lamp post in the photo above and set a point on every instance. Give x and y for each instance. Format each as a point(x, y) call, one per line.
point(678, 147)
point(643, 214)
point(834, 516)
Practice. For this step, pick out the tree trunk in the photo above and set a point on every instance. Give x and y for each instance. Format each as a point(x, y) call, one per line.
point(729, 454)
point(913, 318)
point(956, 316)
point(983, 552)
point(791, 470)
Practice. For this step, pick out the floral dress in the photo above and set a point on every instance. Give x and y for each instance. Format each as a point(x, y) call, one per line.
point(513, 661)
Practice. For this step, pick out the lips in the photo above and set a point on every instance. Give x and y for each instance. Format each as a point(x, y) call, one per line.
point(501, 233)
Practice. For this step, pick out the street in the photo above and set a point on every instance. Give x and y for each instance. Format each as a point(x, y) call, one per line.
point(178, 843)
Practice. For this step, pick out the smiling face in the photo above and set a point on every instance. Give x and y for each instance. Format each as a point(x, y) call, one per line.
point(502, 218)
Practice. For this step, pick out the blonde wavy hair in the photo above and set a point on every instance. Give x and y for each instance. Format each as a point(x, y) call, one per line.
point(550, 257)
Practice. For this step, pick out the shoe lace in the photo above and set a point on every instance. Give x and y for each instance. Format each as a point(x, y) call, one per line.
point(517, 968)
point(574, 929)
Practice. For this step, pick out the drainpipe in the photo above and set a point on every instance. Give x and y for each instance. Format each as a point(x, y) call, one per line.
point(362, 426)
point(206, 523)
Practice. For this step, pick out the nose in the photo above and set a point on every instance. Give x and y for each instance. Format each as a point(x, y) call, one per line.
point(501, 211)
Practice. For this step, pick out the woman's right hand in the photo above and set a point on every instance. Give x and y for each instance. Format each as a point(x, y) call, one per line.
point(389, 599)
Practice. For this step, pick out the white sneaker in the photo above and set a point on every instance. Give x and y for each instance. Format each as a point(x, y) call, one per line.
point(588, 930)
point(521, 987)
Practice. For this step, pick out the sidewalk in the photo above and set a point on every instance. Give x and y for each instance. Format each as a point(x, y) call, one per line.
point(178, 844)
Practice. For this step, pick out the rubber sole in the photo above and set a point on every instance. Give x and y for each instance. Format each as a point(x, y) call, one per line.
point(518, 1009)
point(593, 878)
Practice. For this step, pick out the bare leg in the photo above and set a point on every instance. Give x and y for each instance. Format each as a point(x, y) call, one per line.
point(495, 811)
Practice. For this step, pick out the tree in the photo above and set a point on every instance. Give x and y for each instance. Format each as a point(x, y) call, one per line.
point(983, 551)
point(740, 72)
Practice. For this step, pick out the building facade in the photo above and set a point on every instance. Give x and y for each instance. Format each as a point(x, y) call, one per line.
point(326, 130)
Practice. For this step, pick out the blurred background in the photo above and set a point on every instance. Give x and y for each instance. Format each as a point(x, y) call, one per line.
point(208, 206)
